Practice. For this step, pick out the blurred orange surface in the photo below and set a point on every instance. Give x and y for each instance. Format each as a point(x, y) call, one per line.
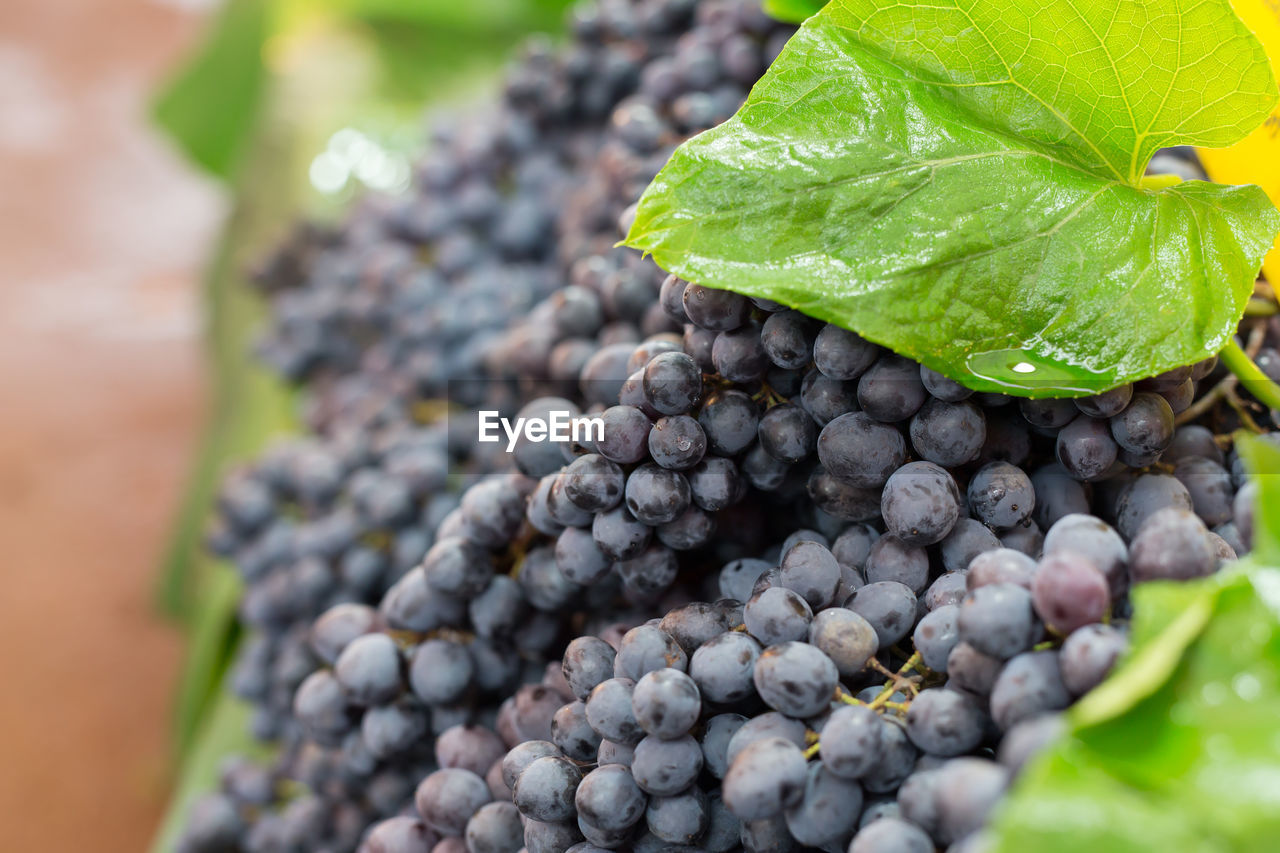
point(103, 231)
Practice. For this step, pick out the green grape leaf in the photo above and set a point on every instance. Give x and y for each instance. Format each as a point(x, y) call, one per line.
point(1189, 760)
point(962, 181)
point(792, 11)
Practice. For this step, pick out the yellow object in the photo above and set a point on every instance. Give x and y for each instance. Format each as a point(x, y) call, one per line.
point(1256, 158)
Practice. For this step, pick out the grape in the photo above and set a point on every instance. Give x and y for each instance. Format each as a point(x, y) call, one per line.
point(948, 588)
point(1209, 486)
point(1058, 495)
point(646, 648)
point(656, 495)
point(471, 747)
point(698, 623)
point(593, 483)
point(1001, 495)
point(321, 708)
point(1089, 654)
point(672, 382)
point(767, 725)
point(897, 758)
point(522, 755)
point(796, 679)
point(788, 338)
point(677, 442)
point(767, 777)
point(890, 390)
point(810, 570)
point(968, 539)
point(337, 627)
point(1027, 738)
point(1095, 540)
point(967, 789)
point(666, 703)
point(400, 835)
point(448, 798)
point(717, 310)
point(828, 809)
point(738, 355)
point(664, 768)
point(891, 559)
point(716, 736)
point(650, 572)
point(826, 399)
point(853, 545)
point(1172, 544)
point(1049, 414)
point(945, 722)
point(213, 824)
point(917, 797)
point(1069, 592)
point(671, 298)
point(715, 484)
point(1003, 565)
point(368, 670)
point(845, 637)
point(722, 668)
point(609, 798)
point(678, 819)
point(540, 837)
point(841, 354)
point(1192, 440)
point(787, 433)
point(777, 615)
point(1146, 496)
point(1107, 403)
point(889, 607)
point(730, 421)
point(619, 535)
point(572, 733)
point(891, 835)
point(1085, 448)
point(842, 501)
point(920, 503)
point(763, 471)
point(609, 711)
point(545, 790)
point(860, 451)
point(949, 434)
point(936, 635)
point(626, 434)
point(1026, 539)
point(997, 620)
point(579, 558)
point(495, 828)
point(947, 390)
point(1145, 427)
point(739, 576)
point(851, 741)
point(1029, 684)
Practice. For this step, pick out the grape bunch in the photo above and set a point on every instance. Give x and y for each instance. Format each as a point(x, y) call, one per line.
point(802, 593)
point(789, 715)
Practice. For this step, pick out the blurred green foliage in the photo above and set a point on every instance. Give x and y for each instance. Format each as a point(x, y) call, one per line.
point(212, 105)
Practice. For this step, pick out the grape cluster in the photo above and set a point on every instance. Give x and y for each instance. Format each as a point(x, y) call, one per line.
point(803, 593)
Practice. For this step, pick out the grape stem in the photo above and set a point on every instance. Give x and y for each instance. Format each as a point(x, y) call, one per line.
point(1250, 375)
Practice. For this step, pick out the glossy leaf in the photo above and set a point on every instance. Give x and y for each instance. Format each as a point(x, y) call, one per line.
point(793, 11)
point(962, 182)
